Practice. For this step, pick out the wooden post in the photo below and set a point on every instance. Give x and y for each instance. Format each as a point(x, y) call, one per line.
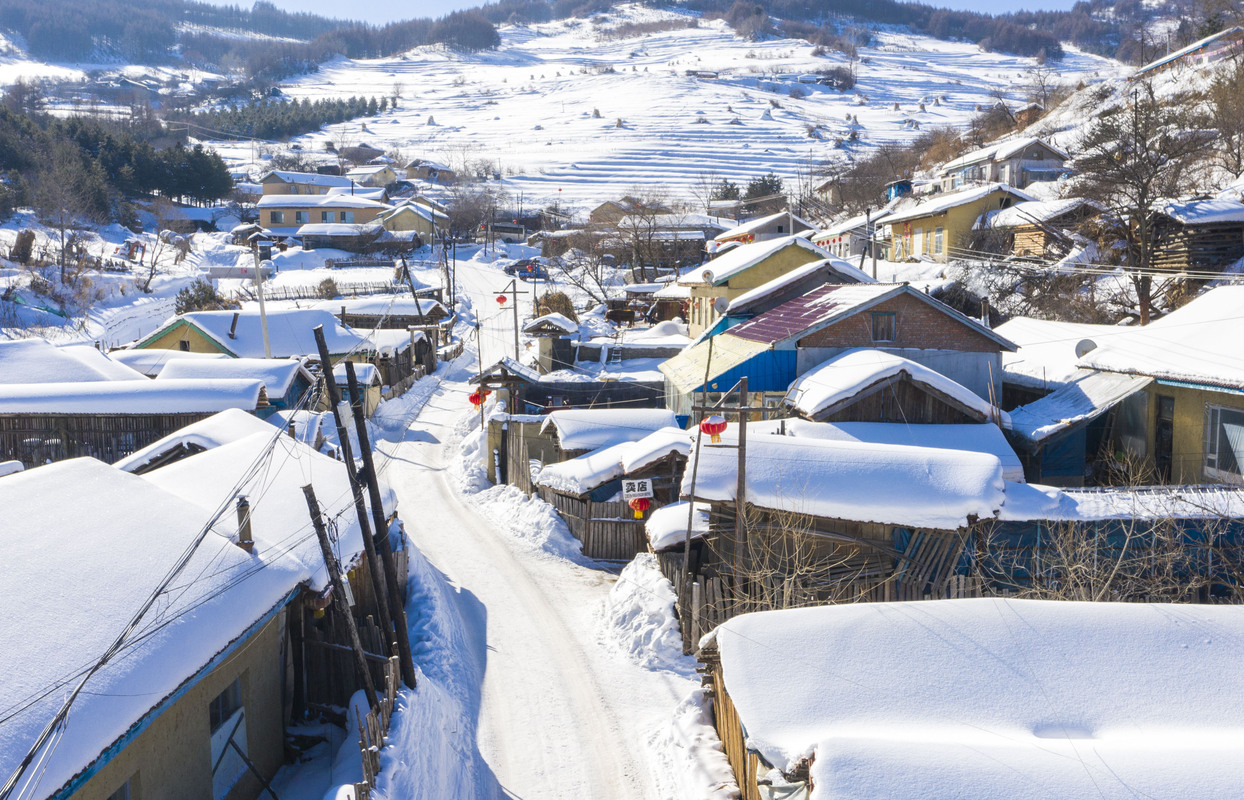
point(740, 492)
point(356, 487)
point(339, 596)
point(382, 529)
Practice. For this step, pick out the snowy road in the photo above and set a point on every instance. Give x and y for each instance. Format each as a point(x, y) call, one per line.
point(561, 713)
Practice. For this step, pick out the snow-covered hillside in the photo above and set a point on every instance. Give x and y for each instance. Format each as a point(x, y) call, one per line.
point(571, 111)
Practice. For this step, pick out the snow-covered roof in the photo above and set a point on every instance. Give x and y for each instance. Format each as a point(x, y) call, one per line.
point(845, 376)
point(38, 361)
point(227, 426)
point(744, 257)
point(992, 697)
point(1204, 212)
point(919, 487)
point(667, 526)
point(1199, 343)
point(1197, 45)
point(1033, 212)
point(583, 474)
point(379, 305)
point(762, 222)
point(833, 267)
point(150, 362)
point(982, 437)
point(513, 367)
point(1047, 349)
point(557, 321)
point(427, 212)
point(365, 374)
point(1047, 503)
point(1083, 398)
point(996, 152)
point(342, 229)
point(593, 428)
point(672, 291)
point(324, 201)
point(940, 203)
point(277, 374)
point(850, 224)
point(307, 178)
point(125, 533)
point(130, 397)
point(367, 171)
point(290, 332)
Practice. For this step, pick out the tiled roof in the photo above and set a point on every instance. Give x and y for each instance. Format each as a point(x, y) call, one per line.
point(822, 304)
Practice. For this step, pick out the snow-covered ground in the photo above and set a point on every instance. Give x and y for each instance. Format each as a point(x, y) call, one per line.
point(566, 111)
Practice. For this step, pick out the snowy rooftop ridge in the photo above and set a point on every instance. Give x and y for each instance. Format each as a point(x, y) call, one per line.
point(39, 361)
point(290, 332)
point(583, 474)
point(890, 484)
point(1024, 699)
point(942, 202)
point(1047, 349)
point(757, 224)
point(277, 374)
point(844, 376)
point(131, 397)
point(832, 266)
point(594, 428)
point(744, 257)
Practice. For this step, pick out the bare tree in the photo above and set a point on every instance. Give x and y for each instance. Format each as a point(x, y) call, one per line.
point(1226, 108)
point(62, 196)
point(1133, 157)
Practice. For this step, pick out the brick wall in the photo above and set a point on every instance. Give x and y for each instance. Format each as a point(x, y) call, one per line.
point(916, 325)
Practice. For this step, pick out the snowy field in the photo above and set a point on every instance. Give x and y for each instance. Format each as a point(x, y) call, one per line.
point(544, 108)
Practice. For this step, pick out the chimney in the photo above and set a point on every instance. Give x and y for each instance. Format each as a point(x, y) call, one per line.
point(245, 541)
point(234, 326)
point(343, 316)
point(292, 433)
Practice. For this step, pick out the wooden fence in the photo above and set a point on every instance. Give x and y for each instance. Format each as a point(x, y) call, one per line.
point(374, 728)
point(450, 351)
point(400, 388)
point(344, 289)
point(344, 263)
point(608, 531)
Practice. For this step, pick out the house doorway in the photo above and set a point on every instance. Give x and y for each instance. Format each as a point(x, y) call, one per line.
point(1164, 437)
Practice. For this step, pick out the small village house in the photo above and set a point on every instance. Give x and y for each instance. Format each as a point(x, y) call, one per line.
point(611, 212)
point(525, 390)
point(423, 169)
point(1199, 54)
point(1034, 229)
point(1198, 235)
point(425, 221)
point(871, 699)
point(849, 238)
point(286, 214)
point(743, 268)
point(775, 347)
point(1015, 162)
point(376, 176)
point(238, 334)
point(762, 229)
point(941, 226)
point(286, 381)
point(279, 182)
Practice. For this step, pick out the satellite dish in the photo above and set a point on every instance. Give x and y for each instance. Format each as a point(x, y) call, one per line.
point(1084, 347)
point(707, 276)
point(721, 304)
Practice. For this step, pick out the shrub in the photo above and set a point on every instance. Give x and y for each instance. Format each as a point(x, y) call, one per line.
point(202, 296)
point(556, 303)
point(23, 248)
point(327, 290)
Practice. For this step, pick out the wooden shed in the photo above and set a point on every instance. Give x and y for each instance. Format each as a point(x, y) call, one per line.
point(1199, 235)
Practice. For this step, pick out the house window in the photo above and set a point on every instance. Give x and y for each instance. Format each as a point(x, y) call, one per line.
point(300, 218)
point(883, 326)
point(293, 189)
point(277, 217)
point(780, 229)
point(184, 345)
point(227, 723)
point(1224, 443)
point(347, 216)
point(123, 793)
point(326, 216)
point(937, 241)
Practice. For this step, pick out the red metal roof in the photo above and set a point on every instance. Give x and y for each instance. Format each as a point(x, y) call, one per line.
point(794, 317)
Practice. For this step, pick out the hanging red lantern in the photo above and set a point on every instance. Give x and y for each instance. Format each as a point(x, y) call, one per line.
point(501, 299)
point(477, 399)
point(714, 426)
point(639, 505)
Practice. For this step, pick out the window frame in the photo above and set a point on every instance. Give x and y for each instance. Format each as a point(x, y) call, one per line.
point(892, 321)
point(1212, 451)
point(276, 217)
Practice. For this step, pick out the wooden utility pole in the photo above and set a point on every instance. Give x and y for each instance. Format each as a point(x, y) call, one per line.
point(382, 529)
point(339, 597)
point(356, 489)
point(740, 491)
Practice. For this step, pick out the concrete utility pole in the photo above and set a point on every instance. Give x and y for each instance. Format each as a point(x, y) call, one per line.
point(339, 596)
point(740, 490)
point(263, 311)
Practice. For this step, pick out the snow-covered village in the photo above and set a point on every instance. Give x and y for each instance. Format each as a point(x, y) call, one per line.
point(670, 400)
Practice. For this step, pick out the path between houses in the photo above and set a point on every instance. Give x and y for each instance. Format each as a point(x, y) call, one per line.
point(561, 714)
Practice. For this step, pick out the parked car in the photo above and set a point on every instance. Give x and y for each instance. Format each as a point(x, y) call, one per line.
point(526, 268)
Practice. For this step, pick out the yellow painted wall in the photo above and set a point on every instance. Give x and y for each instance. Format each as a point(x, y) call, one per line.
point(702, 297)
point(183, 333)
point(407, 220)
point(956, 224)
point(1187, 462)
point(281, 187)
point(361, 215)
point(171, 759)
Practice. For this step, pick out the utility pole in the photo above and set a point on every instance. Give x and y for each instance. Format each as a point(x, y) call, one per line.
point(339, 596)
point(514, 297)
point(356, 488)
point(382, 532)
point(740, 490)
point(263, 312)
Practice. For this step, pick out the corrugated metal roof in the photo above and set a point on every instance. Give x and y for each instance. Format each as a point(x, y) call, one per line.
point(1087, 397)
point(687, 369)
point(821, 305)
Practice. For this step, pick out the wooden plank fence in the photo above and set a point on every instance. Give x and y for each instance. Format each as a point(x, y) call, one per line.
point(344, 289)
point(374, 728)
point(609, 531)
point(363, 261)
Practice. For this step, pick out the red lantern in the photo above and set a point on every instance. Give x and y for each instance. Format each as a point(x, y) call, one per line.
point(477, 399)
point(714, 426)
point(639, 505)
point(501, 299)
